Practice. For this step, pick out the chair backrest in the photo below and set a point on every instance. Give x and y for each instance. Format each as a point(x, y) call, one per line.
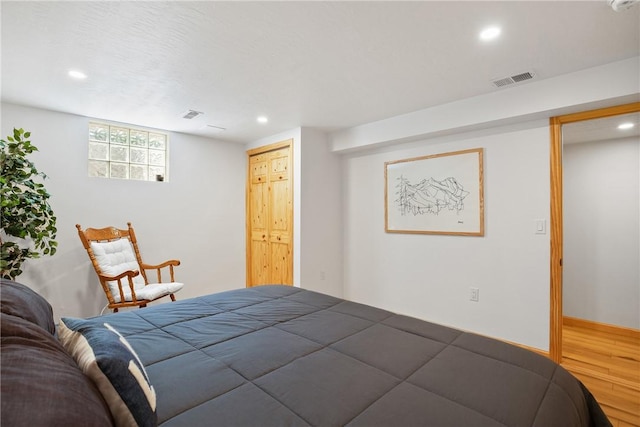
point(113, 251)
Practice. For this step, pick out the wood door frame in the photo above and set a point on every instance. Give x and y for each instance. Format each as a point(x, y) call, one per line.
point(252, 152)
point(556, 227)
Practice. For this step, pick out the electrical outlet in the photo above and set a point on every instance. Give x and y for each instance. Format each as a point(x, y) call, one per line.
point(474, 294)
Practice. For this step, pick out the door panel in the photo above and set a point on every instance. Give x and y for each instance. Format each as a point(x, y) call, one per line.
point(259, 266)
point(280, 270)
point(258, 206)
point(280, 206)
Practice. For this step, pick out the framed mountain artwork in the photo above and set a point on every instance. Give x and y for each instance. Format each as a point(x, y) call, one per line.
point(436, 194)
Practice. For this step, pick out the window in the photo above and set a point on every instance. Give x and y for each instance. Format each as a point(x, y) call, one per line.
point(126, 153)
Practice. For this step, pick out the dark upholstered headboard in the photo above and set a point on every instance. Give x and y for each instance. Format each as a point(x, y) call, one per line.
point(41, 383)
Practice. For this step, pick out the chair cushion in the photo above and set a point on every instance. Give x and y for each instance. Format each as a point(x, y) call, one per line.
point(106, 357)
point(115, 258)
point(151, 291)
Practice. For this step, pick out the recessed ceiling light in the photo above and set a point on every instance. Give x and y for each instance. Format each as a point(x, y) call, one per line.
point(262, 119)
point(625, 126)
point(77, 74)
point(490, 33)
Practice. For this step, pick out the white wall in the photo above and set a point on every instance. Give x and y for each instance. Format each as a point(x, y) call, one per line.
point(321, 215)
point(601, 280)
point(197, 216)
point(429, 276)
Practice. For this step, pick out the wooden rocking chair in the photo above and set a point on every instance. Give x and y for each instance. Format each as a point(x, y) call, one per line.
point(115, 257)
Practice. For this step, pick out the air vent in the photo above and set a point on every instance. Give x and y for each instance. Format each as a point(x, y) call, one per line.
point(503, 82)
point(190, 114)
point(516, 78)
point(215, 128)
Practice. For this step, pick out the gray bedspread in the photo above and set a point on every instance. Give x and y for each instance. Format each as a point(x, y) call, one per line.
point(277, 355)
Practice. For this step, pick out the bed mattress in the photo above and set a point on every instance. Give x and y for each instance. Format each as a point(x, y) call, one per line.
point(284, 356)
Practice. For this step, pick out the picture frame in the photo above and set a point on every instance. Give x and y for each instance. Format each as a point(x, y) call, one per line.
point(436, 194)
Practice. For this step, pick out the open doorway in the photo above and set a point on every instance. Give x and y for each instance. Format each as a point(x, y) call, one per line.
point(557, 216)
point(595, 254)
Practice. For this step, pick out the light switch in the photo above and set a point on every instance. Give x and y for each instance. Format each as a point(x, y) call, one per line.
point(541, 226)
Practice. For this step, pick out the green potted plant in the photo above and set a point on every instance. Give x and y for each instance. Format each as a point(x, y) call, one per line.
point(28, 225)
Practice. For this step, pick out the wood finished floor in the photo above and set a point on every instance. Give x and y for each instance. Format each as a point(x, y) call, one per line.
point(609, 365)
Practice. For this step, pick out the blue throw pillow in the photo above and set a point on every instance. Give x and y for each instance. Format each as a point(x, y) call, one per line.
point(108, 359)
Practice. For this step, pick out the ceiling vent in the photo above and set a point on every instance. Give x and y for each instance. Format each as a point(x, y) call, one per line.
point(190, 114)
point(214, 128)
point(516, 78)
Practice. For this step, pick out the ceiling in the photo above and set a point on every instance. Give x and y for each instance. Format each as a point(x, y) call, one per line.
point(326, 65)
point(601, 129)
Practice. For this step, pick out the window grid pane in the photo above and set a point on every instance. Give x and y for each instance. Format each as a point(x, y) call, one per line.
point(157, 141)
point(98, 169)
point(119, 170)
point(156, 157)
point(139, 138)
point(98, 151)
point(119, 136)
point(156, 173)
point(119, 153)
point(139, 156)
point(124, 153)
point(138, 172)
point(98, 132)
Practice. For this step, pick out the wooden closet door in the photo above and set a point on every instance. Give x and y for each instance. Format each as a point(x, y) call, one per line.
point(270, 215)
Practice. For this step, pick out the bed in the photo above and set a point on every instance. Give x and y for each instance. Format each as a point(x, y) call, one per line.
point(285, 356)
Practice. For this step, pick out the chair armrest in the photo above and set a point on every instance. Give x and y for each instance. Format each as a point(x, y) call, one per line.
point(162, 265)
point(129, 274)
point(170, 263)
